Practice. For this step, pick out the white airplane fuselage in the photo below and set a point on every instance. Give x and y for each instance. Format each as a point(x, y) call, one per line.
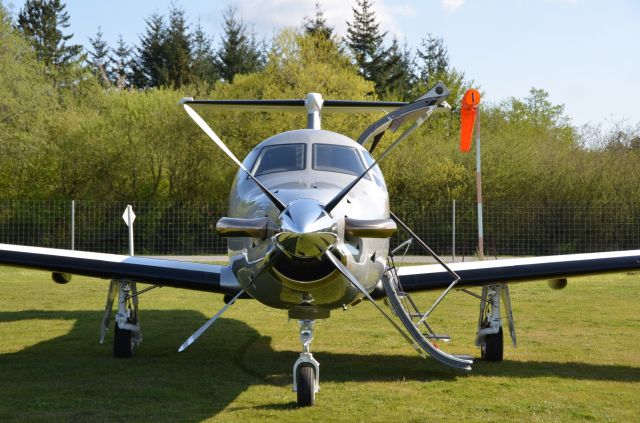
point(308, 167)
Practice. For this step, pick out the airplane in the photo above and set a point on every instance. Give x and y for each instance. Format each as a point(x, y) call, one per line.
point(309, 226)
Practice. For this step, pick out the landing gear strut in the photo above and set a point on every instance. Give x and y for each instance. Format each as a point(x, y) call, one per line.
point(126, 335)
point(306, 370)
point(490, 337)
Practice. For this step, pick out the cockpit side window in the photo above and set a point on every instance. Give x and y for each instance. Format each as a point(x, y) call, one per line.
point(337, 158)
point(377, 174)
point(281, 158)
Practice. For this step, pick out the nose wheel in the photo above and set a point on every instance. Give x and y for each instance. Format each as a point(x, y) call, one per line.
point(306, 370)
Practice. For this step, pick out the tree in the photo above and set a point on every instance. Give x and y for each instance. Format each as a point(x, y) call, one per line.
point(203, 57)
point(318, 24)
point(150, 68)
point(364, 39)
point(177, 47)
point(42, 22)
point(397, 77)
point(99, 56)
point(433, 59)
point(121, 67)
point(239, 52)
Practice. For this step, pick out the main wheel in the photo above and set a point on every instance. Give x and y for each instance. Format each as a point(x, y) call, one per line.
point(306, 379)
point(493, 348)
point(122, 346)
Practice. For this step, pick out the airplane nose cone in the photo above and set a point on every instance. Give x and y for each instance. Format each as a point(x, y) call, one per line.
point(307, 230)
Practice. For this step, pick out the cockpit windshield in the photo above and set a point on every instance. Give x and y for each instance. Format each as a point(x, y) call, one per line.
point(337, 158)
point(281, 158)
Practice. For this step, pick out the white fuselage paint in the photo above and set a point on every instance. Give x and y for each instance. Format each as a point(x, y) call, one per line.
point(364, 257)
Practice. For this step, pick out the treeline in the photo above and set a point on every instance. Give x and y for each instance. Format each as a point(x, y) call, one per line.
point(105, 124)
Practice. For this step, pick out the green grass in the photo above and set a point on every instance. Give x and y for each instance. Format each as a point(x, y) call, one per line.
point(577, 359)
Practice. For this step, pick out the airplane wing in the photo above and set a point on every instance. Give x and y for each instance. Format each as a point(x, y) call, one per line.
point(477, 273)
point(173, 273)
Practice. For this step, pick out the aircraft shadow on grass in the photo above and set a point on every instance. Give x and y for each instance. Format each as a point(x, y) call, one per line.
point(65, 371)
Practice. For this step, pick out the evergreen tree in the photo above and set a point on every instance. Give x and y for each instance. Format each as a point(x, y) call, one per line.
point(364, 39)
point(318, 24)
point(150, 68)
point(42, 22)
point(433, 59)
point(239, 52)
point(99, 57)
point(121, 67)
point(177, 46)
point(397, 78)
point(203, 57)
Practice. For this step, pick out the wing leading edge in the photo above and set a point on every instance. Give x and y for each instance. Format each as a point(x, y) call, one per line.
point(173, 273)
point(433, 276)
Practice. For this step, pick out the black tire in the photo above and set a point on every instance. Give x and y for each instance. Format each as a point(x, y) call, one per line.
point(306, 378)
point(122, 343)
point(493, 349)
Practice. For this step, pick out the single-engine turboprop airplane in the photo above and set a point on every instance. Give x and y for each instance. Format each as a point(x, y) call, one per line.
point(309, 230)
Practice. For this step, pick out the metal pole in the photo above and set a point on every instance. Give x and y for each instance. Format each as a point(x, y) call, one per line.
point(479, 189)
point(130, 224)
point(73, 224)
point(453, 232)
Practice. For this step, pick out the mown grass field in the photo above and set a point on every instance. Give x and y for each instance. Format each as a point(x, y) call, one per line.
point(577, 359)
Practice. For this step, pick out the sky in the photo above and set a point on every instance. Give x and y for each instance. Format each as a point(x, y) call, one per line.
point(584, 53)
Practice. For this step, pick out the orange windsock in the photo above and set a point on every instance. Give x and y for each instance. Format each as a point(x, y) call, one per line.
point(468, 113)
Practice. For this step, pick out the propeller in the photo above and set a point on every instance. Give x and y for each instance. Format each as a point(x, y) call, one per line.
point(273, 259)
point(419, 121)
point(354, 281)
point(207, 130)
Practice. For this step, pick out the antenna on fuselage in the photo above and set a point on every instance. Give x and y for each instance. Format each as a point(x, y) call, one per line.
point(313, 103)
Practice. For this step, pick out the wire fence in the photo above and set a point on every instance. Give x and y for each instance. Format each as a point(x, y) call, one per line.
point(188, 228)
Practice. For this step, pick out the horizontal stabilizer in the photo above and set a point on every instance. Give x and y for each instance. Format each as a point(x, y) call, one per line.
point(297, 105)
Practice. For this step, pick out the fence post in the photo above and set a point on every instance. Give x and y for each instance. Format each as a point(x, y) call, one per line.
point(453, 233)
point(73, 224)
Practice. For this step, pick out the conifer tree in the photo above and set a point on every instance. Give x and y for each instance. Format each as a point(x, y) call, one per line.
point(397, 77)
point(121, 67)
point(318, 24)
point(239, 52)
point(150, 68)
point(203, 57)
point(433, 58)
point(99, 57)
point(42, 22)
point(177, 47)
point(364, 39)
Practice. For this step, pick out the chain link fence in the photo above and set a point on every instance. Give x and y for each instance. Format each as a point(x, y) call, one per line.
point(188, 228)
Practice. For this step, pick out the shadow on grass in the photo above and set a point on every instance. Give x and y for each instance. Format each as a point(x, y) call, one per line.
point(71, 377)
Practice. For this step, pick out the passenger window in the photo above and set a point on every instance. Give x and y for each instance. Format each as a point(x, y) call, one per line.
point(280, 158)
point(337, 158)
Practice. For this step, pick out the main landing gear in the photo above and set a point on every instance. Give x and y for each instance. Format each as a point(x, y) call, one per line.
point(127, 335)
point(306, 370)
point(490, 337)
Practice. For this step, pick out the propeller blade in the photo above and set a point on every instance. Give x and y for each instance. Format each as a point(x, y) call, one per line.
point(209, 322)
point(347, 274)
point(207, 130)
point(335, 200)
point(272, 260)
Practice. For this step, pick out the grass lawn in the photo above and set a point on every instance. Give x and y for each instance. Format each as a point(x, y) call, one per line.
point(577, 359)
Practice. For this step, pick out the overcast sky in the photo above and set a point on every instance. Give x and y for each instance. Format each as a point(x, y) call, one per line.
point(585, 53)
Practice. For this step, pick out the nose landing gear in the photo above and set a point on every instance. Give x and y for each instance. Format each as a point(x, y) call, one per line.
point(306, 370)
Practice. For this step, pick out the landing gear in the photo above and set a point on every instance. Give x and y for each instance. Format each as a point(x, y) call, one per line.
point(490, 337)
point(493, 347)
point(126, 335)
point(306, 378)
point(306, 370)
